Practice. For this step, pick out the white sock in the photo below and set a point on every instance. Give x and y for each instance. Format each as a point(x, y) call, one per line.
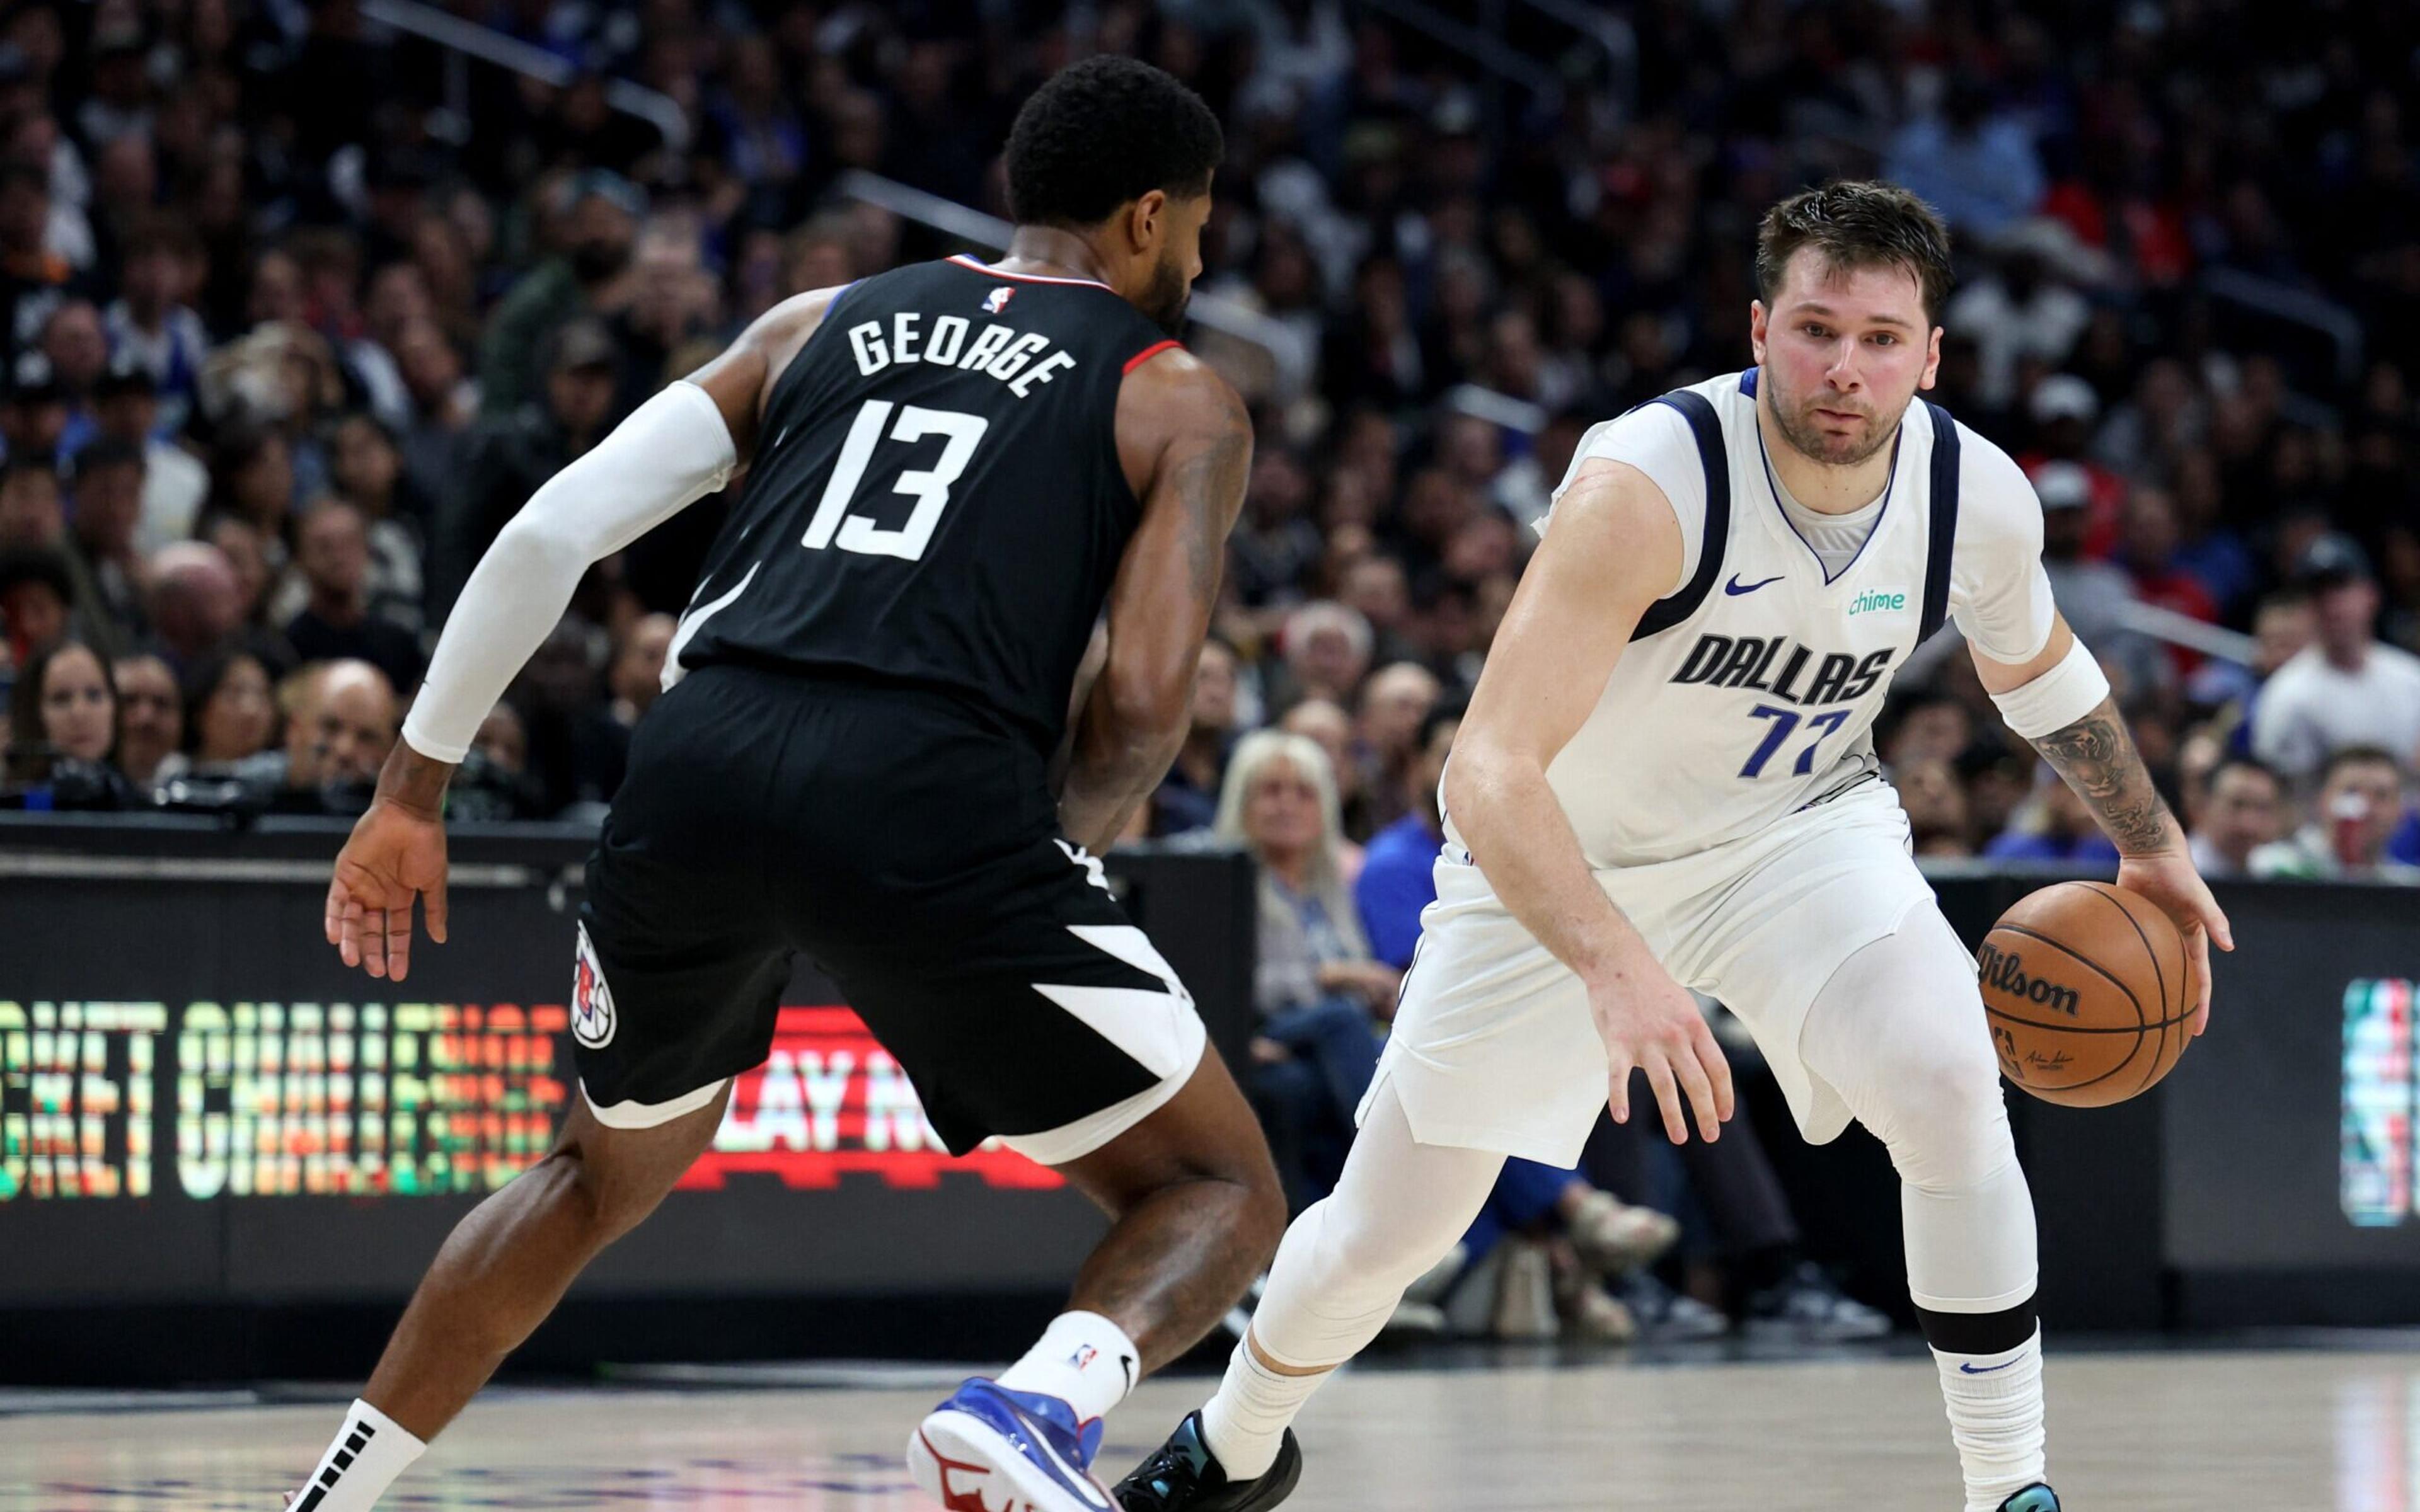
point(1246, 1422)
point(1995, 1417)
point(369, 1452)
point(1084, 1359)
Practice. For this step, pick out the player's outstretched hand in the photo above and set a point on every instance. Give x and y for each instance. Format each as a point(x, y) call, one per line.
point(394, 855)
point(2169, 880)
point(1650, 1023)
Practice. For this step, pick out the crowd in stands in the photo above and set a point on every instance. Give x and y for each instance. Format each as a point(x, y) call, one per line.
point(295, 312)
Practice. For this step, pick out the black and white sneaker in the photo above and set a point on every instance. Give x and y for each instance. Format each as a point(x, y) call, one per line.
point(1808, 1306)
point(1183, 1475)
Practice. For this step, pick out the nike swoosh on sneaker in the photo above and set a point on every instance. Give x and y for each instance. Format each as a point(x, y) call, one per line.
point(1735, 588)
point(1983, 1370)
point(1078, 1479)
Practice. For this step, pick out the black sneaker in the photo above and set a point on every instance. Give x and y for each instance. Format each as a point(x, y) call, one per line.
point(1183, 1475)
point(2034, 1498)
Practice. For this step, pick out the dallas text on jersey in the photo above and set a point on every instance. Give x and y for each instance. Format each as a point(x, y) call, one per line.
point(1745, 661)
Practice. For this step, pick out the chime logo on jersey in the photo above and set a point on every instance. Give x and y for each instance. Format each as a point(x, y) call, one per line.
point(997, 300)
point(1878, 601)
point(592, 1001)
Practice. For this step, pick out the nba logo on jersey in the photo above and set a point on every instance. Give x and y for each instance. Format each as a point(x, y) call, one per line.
point(997, 300)
point(592, 1001)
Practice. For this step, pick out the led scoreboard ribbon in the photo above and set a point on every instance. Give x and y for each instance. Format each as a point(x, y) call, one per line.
point(116, 1099)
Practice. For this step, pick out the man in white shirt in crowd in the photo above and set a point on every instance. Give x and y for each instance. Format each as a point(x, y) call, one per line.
point(2346, 690)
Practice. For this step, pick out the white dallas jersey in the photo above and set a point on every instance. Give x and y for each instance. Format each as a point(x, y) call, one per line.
point(1751, 690)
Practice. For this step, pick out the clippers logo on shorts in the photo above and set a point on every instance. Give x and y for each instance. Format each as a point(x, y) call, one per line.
point(2005, 972)
point(592, 1001)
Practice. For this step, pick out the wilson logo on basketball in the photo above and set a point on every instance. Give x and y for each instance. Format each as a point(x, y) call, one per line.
point(2005, 971)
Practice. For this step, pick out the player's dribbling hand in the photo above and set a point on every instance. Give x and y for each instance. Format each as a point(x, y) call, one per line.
point(2169, 880)
point(394, 855)
point(1650, 1023)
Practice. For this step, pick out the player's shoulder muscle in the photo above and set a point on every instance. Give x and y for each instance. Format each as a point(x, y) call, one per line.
point(742, 377)
point(1175, 411)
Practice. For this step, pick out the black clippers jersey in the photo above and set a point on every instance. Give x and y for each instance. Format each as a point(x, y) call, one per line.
point(936, 500)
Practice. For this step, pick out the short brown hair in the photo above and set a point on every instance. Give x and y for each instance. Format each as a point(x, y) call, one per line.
point(1857, 224)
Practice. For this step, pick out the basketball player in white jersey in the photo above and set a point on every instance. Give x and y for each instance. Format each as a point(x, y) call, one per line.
point(1667, 780)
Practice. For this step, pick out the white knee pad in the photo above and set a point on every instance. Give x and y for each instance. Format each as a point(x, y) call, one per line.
point(1899, 1033)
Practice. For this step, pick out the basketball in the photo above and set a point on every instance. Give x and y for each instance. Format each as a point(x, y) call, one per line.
point(2085, 985)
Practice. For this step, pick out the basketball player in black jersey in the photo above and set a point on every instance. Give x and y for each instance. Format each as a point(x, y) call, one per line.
point(953, 469)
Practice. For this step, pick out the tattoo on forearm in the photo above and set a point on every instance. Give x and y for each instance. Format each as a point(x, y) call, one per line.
point(2099, 760)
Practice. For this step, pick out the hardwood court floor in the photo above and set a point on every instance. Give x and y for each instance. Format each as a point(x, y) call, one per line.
point(2156, 1432)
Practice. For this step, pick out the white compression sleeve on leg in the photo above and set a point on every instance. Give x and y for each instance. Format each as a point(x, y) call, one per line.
point(1340, 1271)
point(672, 452)
point(1898, 1032)
point(2057, 698)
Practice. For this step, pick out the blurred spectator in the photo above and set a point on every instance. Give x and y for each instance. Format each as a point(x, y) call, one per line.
point(366, 468)
point(151, 717)
point(2053, 826)
point(1326, 725)
point(153, 329)
point(1939, 822)
point(230, 714)
point(1971, 161)
point(1394, 701)
point(2359, 805)
point(1188, 798)
point(333, 553)
point(32, 511)
point(600, 212)
point(34, 410)
point(195, 604)
point(509, 457)
point(37, 597)
point(108, 510)
point(2016, 313)
point(493, 782)
point(2094, 597)
point(174, 482)
point(340, 723)
point(1327, 650)
point(1397, 874)
point(2243, 806)
point(2347, 688)
point(1316, 987)
point(633, 681)
point(63, 732)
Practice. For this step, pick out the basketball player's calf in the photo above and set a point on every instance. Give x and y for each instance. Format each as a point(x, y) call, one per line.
point(500, 1274)
point(1196, 1211)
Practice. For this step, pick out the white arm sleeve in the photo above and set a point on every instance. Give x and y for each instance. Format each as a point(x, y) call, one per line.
point(672, 452)
point(1998, 593)
point(1657, 441)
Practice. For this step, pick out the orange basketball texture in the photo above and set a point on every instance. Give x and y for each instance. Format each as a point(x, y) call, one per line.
point(2087, 992)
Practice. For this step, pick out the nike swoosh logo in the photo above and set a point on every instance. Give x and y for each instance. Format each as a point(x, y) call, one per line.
point(1127, 1362)
point(1983, 1370)
point(1734, 587)
point(1075, 1475)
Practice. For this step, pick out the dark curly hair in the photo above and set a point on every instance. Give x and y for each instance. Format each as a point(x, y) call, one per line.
point(1857, 224)
point(1102, 132)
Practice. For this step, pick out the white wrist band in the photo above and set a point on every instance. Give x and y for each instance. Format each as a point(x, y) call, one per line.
point(2057, 698)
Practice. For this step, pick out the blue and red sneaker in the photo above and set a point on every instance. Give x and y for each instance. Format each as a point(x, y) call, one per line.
point(990, 1449)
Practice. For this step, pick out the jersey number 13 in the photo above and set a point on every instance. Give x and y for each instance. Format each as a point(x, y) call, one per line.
point(833, 525)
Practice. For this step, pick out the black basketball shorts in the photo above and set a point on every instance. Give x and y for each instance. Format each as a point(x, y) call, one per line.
point(913, 854)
